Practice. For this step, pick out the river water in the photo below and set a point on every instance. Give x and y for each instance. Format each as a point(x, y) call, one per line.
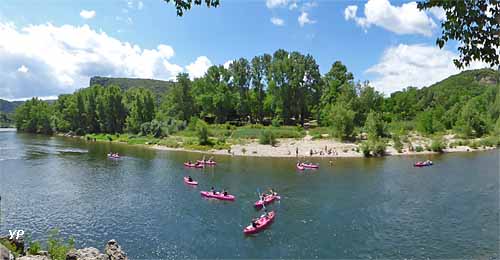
point(357, 208)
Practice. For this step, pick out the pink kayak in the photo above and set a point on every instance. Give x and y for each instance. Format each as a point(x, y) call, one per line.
point(193, 182)
point(193, 165)
point(217, 195)
point(310, 166)
point(209, 162)
point(262, 223)
point(267, 200)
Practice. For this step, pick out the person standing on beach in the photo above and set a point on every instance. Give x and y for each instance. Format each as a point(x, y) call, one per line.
point(297, 151)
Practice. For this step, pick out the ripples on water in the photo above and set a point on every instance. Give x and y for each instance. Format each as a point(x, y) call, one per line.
point(359, 208)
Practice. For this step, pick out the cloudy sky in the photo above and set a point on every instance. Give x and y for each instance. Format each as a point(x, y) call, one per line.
point(51, 47)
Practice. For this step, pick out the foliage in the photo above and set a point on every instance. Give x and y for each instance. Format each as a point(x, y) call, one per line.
point(398, 145)
point(438, 145)
point(341, 121)
point(202, 132)
point(378, 148)
point(34, 248)
point(475, 24)
point(375, 126)
point(184, 5)
point(267, 137)
point(34, 116)
point(57, 246)
point(419, 149)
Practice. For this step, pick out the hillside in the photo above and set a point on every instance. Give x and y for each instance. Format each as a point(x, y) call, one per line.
point(9, 106)
point(156, 86)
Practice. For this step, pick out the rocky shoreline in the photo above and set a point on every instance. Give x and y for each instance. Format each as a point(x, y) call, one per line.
point(112, 251)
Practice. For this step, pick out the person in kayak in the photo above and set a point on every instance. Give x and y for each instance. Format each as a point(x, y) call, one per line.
point(224, 192)
point(254, 223)
point(213, 190)
point(190, 179)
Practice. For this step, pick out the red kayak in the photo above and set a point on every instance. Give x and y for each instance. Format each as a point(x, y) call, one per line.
point(217, 195)
point(262, 223)
point(268, 199)
point(193, 165)
point(193, 182)
point(423, 164)
point(209, 162)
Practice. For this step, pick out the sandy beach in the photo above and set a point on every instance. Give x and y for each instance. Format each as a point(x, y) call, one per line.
point(322, 148)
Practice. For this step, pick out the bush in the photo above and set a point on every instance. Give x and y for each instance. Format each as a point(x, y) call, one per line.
point(267, 137)
point(57, 247)
point(276, 122)
point(419, 149)
point(438, 145)
point(34, 248)
point(474, 145)
point(365, 148)
point(202, 132)
point(378, 148)
point(397, 143)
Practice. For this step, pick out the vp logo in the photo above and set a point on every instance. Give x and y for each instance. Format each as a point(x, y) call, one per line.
point(17, 233)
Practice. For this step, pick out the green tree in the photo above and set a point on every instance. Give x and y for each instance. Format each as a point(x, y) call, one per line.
point(470, 122)
point(178, 102)
point(374, 126)
point(34, 117)
point(341, 121)
point(202, 132)
point(473, 23)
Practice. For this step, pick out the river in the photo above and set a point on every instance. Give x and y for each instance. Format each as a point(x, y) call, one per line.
point(356, 208)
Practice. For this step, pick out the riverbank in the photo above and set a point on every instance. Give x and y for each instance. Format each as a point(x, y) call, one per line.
point(323, 148)
point(306, 146)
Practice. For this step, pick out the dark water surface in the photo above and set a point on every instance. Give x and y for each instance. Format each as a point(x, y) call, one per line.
point(358, 208)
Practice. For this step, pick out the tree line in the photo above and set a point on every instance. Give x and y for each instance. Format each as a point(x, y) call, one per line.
point(285, 88)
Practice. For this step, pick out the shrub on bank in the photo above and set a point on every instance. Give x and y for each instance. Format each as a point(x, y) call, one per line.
point(438, 145)
point(267, 137)
point(419, 149)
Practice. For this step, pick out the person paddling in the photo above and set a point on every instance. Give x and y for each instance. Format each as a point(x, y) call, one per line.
point(190, 179)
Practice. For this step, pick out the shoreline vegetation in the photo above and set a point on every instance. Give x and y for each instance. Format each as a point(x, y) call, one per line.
point(304, 145)
point(278, 105)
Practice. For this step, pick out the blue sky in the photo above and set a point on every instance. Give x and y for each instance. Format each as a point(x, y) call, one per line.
point(53, 46)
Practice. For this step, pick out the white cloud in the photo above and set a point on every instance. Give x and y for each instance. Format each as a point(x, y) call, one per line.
point(61, 59)
point(277, 21)
point(198, 67)
point(23, 69)
point(304, 19)
point(438, 12)
point(140, 5)
point(87, 14)
point(293, 6)
point(404, 19)
point(276, 3)
point(413, 65)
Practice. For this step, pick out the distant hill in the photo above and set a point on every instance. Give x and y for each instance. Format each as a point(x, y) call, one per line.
point(9, 106)
point(156, 86)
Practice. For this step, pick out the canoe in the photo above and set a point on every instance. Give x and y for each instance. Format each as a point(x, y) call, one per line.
point(206, 162)
point(186, 180)
point(193, 165)
point(267, 200)
point(219, 196)
point(262, 223)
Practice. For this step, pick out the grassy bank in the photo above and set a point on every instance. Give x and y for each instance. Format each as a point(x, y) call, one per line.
point(258, 140)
